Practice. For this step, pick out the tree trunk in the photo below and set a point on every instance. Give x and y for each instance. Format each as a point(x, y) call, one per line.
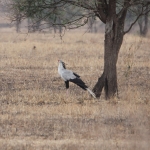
point(108, 80)
point(143, 24)
point(113, 41)
point(18, 22)
point(29, 25)
point(60, 27)
point(110, 70)
point(140, 22)
point(37, 26)
point(90, 24)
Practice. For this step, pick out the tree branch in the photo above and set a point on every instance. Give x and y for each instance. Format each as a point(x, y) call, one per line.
point(141, 14)
point(79, 4)
point(124, 9)
point(102, 10)
point(132, 24)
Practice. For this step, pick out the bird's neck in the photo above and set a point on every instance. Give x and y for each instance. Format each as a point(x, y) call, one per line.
point(60, 68)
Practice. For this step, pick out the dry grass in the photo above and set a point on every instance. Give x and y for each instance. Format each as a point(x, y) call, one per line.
point(36, 113)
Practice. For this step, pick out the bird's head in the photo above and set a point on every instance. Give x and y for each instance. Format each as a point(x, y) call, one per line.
point(62, 63)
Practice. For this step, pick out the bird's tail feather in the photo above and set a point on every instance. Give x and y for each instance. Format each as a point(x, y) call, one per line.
point(91, 92)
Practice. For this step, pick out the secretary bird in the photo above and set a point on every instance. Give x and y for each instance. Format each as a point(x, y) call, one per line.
point(68, 75)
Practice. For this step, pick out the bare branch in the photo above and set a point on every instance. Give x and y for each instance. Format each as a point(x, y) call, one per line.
point(102, 10)
point(143, 12)
point(126, 5)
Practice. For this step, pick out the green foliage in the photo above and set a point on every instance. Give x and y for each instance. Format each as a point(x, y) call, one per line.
point(75, 13)
point(54, 12)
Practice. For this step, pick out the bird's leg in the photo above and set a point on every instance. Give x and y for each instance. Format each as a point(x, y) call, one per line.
point(67, 92)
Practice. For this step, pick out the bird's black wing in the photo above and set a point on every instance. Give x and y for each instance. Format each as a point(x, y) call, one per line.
point(79, 82)
point(76, 75)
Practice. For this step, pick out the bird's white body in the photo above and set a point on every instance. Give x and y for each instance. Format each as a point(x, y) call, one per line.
point(68, 75)
point(64, 73)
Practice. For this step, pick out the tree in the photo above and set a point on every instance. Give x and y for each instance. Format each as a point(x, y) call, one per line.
point(143, 23)
point(111, 12)
point(18, 22)
point(92, 25)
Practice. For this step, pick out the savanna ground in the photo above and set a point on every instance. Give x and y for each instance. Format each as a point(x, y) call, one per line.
point(36, 113)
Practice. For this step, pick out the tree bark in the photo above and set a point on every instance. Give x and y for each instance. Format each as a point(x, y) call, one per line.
point(114, 33)
point(108, 80)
